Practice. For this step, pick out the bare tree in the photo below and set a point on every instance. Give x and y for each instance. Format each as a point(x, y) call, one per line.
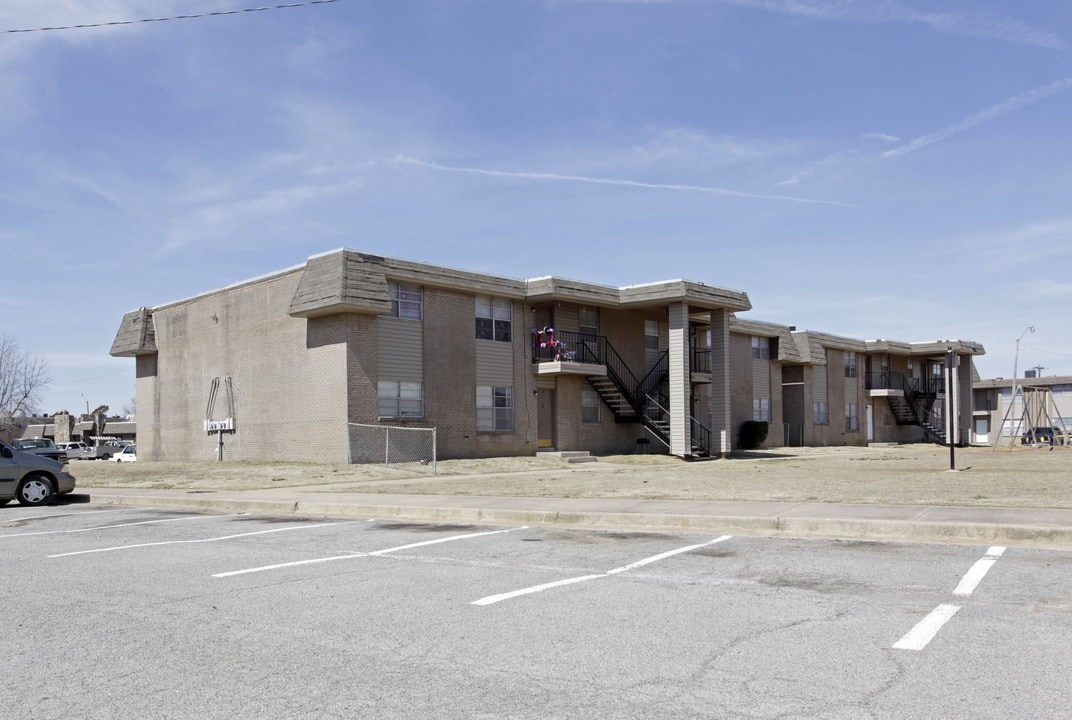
point(23, 377)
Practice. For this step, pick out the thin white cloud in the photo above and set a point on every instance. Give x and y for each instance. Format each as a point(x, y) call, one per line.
point(610, 181)
point(986, 25)
point(884, 137)
point(995, 111)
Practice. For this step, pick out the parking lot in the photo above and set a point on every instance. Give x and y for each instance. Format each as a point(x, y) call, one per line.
point(126, 612)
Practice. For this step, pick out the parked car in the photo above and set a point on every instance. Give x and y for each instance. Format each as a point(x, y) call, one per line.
point(1043, 436)
point(40, 446)
point(74, 450)
point(127, 454)
point(31, 479)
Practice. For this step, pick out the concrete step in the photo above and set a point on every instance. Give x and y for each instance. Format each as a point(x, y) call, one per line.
point(568, 456)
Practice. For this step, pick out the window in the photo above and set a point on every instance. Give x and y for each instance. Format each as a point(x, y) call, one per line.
point(761, 410)
point(405, 301)
point(494, 318)
point(761, 348)
point(494, 408)
point(850, 364)
point(821, 413)
point(588, 322)
point(651, 334)
point(589, 406)
point(852, 417)
point(399, 399)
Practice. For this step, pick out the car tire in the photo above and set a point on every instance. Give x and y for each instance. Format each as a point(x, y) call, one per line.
point(34, 490)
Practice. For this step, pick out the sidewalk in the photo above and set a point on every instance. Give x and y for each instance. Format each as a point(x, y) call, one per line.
point(1026, 527)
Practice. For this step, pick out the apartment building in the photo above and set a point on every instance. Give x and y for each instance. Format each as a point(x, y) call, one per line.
point(282, 363)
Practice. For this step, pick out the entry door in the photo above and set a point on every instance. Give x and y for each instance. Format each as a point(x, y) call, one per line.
point(545, 418)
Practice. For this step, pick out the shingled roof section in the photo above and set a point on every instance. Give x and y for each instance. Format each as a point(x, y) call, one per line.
point(136, 336)
point(341, 281)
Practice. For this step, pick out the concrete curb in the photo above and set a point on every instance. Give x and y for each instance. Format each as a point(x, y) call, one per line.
point(863, 529)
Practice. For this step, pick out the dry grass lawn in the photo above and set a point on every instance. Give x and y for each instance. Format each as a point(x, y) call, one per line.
point(903, 475)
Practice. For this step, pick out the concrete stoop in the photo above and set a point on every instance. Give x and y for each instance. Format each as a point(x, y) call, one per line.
point(569, 456)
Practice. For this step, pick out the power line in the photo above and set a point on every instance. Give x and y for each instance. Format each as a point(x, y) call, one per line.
point(173, 17)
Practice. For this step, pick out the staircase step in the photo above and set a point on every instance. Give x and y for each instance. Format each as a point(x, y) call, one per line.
point(569, 456)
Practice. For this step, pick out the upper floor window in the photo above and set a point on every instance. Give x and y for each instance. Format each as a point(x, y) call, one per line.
point(761, 348)
point(406, 301)
point(494, 319)
point(651, 334)
point(850, 364)
point(588, 322)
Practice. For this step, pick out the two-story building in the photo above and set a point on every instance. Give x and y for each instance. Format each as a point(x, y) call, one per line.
point(502, 366)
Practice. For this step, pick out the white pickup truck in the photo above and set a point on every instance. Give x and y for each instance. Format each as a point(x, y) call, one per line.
point(82, 451)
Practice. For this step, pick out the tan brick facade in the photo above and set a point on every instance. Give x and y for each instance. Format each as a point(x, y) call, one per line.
point(302, 350)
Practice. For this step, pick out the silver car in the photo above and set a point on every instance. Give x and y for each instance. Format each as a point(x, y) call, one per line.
point(31, 479)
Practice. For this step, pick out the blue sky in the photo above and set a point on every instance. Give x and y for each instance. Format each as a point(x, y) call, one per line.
point(867, 168)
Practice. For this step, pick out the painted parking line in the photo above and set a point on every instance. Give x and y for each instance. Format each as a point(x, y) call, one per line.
point(492, 599)
point(121, 525)
point(374, 553)
point(30, 518)
point(201, 540)
point(979, 570)
point(927, 628)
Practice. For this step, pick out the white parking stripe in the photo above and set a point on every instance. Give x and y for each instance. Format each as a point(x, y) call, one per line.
point(122, 525)
point(491, 599)
point(663, 556)
point(925, 630)
point(5, 521)
point(202, 540)
point(351, 556)
point(978, 571)
point(928, 627)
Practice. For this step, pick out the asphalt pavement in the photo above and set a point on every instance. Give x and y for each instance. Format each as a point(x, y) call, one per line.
point(1025, 527)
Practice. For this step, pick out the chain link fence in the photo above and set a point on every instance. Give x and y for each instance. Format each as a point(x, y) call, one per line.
point(392, 446)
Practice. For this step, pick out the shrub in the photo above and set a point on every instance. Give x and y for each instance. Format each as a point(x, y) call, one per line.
point(753, 433)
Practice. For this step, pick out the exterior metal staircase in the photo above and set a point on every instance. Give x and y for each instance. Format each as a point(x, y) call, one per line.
point(916, 406)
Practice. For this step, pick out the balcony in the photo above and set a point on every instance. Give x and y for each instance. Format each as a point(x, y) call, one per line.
point(561, 352)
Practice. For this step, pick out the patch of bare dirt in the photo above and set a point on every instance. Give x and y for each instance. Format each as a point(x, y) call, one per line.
point(907, 474)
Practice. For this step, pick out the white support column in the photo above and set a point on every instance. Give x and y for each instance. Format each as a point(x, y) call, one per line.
point(721, 432)
point(680, 381)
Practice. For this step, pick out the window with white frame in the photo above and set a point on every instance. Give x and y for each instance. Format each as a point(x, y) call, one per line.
point(761, 409)
point(588, 322)
point(821, 413)
point(761, 348)
point(852, 417)
point(850, 365)
point(406, 301)
point(589, 406)
point(399, 399)
point(651, 334)
point(494, 319)
point(494, 408)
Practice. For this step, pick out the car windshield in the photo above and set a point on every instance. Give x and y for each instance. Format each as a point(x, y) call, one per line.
point(31, 443)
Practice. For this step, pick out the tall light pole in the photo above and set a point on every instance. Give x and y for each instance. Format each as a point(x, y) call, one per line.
point(1016, 382)
point(1016, 355)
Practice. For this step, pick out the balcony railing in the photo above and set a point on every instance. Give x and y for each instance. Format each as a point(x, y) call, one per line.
point(889, 380)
